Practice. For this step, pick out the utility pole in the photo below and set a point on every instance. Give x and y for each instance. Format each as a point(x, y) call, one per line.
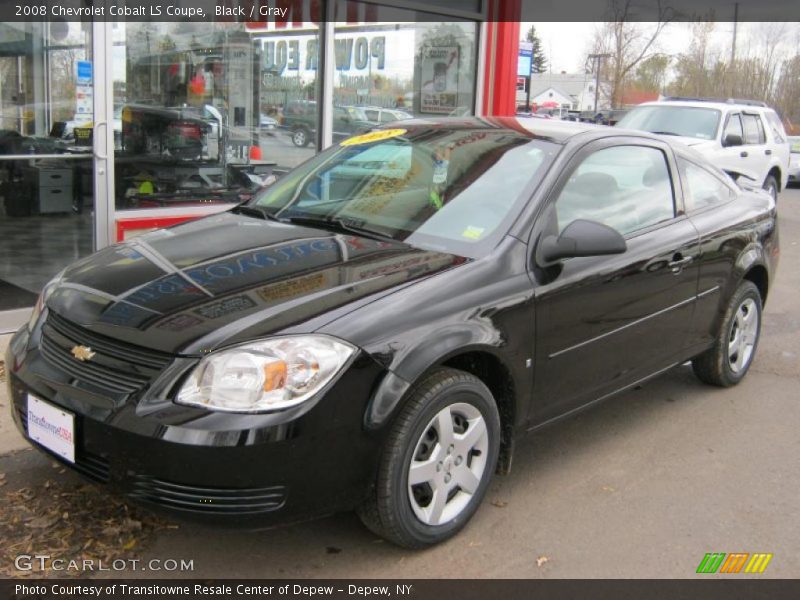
point(735, 24)
point(597, 61)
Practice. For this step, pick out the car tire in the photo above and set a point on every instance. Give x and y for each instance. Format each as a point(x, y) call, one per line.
point(300, 137)
point(727, 362)
point(771, 186)
point(409, 515)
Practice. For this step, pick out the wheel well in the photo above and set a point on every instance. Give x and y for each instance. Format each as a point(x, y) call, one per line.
point(496, 376)
point(776, 173)
point(758, 275)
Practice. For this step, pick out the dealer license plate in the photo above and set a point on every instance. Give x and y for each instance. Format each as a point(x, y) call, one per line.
point(51, 427)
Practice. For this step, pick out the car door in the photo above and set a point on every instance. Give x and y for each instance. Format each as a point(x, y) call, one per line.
point(759, 153)
point(605, 322)
point(342, 124)
point(710, 203)
point(733, 154)
point(749, 156)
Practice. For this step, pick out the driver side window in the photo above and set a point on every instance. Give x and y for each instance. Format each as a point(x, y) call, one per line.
point(625, 187)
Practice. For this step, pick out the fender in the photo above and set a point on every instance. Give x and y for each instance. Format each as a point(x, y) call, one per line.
point(413, 362)
point(751, 255)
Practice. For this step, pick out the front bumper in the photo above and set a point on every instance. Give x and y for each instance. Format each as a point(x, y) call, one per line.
point(247, 469)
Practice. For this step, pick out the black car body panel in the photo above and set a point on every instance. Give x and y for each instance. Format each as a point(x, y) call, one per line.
point(546, 339)
point(173, 292)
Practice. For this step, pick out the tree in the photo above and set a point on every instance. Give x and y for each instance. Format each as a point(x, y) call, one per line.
point(787, 94)
point(651, 74)
point(627, 43)
point(539, 60)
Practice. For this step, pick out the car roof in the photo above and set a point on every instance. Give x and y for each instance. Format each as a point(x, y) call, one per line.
point(552, 130)
point(713, 104)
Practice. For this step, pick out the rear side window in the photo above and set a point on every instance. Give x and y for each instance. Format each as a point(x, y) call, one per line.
point(775, 125)
point(625, 187)
point(753, 129)
point(703, 188)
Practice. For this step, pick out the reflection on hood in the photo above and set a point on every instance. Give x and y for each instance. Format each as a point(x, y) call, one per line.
point(218, 276)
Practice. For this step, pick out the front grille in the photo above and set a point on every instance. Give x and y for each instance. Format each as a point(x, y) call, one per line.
point(89, 465)
point(116, 367)
point(241, 501)
point(127, 352)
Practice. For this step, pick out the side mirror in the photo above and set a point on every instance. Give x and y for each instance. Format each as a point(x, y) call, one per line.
point(732, 139)
point(581, 238)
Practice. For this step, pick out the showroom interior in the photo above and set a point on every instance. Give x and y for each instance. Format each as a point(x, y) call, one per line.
point(111, 129)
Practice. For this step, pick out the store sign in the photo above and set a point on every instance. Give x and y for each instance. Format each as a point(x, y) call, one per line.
point(84, 72)
point(525, 59)
point(439, 89)
point(84, 96)
point(349, 53)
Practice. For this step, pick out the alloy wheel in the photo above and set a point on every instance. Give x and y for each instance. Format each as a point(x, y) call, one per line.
point(448, 464)
point(299, 138)
point(743, 336)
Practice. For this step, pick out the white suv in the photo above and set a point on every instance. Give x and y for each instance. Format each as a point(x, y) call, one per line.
point(741, 137)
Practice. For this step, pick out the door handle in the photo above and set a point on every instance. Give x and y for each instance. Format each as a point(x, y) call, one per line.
point(97, 140)
point(767, 152)
point(678, 262)
point(743, 154)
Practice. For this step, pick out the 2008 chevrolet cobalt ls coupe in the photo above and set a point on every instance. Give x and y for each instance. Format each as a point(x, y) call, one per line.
point(376, 329)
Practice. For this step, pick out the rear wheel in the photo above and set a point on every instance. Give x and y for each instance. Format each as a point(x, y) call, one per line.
point(728, 361)
point(771, 185)
point(300, 137)
point(437, 462)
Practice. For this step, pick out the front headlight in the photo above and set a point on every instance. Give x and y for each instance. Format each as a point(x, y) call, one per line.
point(263, 376)
point(47, 291)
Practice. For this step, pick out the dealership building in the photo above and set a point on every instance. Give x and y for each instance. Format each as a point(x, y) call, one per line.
point(110, 129)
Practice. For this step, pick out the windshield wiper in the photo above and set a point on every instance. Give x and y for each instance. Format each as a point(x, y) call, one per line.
point(665, 133)
point(339, 224)
point(257, 211)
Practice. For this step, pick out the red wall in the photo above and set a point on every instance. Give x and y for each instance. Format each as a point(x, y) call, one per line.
point(502, 48)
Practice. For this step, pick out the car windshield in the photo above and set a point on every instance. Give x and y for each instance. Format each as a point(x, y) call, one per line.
point(355, 113)
point(448, 190)
point(794, 144)
point(687, 121)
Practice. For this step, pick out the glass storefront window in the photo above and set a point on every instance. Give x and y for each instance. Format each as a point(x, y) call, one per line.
point(399, 67)
point(46, 172)
point(211, 112)
point(205, 115)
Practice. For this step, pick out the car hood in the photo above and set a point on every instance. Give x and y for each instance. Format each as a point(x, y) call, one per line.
point(693, 142)
point(231, 278)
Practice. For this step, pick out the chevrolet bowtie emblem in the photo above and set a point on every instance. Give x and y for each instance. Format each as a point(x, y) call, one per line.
point(82, 353)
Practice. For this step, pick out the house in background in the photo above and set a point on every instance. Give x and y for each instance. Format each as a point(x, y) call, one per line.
point(567, 90)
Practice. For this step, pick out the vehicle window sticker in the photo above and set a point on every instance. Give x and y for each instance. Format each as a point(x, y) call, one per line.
point(441, 164)
point(472, 232)
point(373, 136)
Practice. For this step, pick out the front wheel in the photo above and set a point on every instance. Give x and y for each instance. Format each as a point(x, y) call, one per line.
point(771, 186)
point(437, 462)
point(727, 362)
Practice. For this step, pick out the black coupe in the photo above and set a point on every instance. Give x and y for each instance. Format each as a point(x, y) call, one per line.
point(377, 328)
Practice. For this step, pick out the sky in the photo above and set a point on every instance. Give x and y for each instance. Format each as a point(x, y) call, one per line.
point(567, 44)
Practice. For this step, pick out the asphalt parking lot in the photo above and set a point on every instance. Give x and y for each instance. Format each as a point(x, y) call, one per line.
point(642, 486)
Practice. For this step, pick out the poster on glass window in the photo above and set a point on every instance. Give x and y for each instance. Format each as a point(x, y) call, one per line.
point(439, 79)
